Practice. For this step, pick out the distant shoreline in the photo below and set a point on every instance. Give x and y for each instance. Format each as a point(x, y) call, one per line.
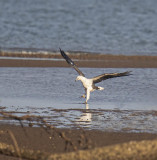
point(9, 59)
point(87, 60)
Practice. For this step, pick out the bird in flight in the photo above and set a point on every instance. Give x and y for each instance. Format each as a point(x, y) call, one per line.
point(89, 84)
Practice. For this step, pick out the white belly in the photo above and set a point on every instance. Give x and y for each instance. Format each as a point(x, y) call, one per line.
point(87, 83)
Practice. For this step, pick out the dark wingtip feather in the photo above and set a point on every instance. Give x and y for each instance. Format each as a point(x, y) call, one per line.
point(69, 61)
point(60, 49)
point(62, 53)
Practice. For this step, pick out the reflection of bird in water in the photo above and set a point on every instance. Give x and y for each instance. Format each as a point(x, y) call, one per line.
point(89, 84)
point(85, 117)
point(87, 106)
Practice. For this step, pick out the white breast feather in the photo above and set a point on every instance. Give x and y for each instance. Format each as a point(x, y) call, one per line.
point(87, 83)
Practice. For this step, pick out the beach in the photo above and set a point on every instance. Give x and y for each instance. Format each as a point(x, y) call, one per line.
point(76, 142)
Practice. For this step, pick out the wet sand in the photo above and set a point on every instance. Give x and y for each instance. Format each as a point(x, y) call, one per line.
point(53, 141)
point(82, 60)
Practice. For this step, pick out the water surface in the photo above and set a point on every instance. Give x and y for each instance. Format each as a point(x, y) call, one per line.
point(116, 27)
point(127, 103)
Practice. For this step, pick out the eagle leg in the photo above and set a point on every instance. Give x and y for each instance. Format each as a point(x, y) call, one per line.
point(87, 95)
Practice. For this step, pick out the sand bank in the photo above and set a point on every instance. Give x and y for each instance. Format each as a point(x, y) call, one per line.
point(82, 60)
point(53, 141)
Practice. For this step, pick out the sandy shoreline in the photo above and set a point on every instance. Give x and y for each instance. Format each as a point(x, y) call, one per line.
point(82, 60)
point(52, 141)
point(60, 141)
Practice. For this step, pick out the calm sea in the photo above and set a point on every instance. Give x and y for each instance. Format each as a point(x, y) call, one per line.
point(103, 26)
point(126, 104)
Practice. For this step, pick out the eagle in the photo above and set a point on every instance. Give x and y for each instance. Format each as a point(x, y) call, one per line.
point(89, 83)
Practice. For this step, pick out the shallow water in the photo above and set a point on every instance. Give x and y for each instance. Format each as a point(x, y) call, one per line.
point(126, 104)
point(116, 27)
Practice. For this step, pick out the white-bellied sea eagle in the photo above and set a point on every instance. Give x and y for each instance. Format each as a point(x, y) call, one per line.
point(89, 84)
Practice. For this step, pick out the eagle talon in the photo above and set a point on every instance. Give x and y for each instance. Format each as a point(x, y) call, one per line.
point(83, 96)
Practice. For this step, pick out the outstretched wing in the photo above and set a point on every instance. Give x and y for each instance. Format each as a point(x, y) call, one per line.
point(109, 75)
point(69, 61)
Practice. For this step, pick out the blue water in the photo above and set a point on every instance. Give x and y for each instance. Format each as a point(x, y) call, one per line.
point(115, 27)
point(56, 87)
point(126, 104)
